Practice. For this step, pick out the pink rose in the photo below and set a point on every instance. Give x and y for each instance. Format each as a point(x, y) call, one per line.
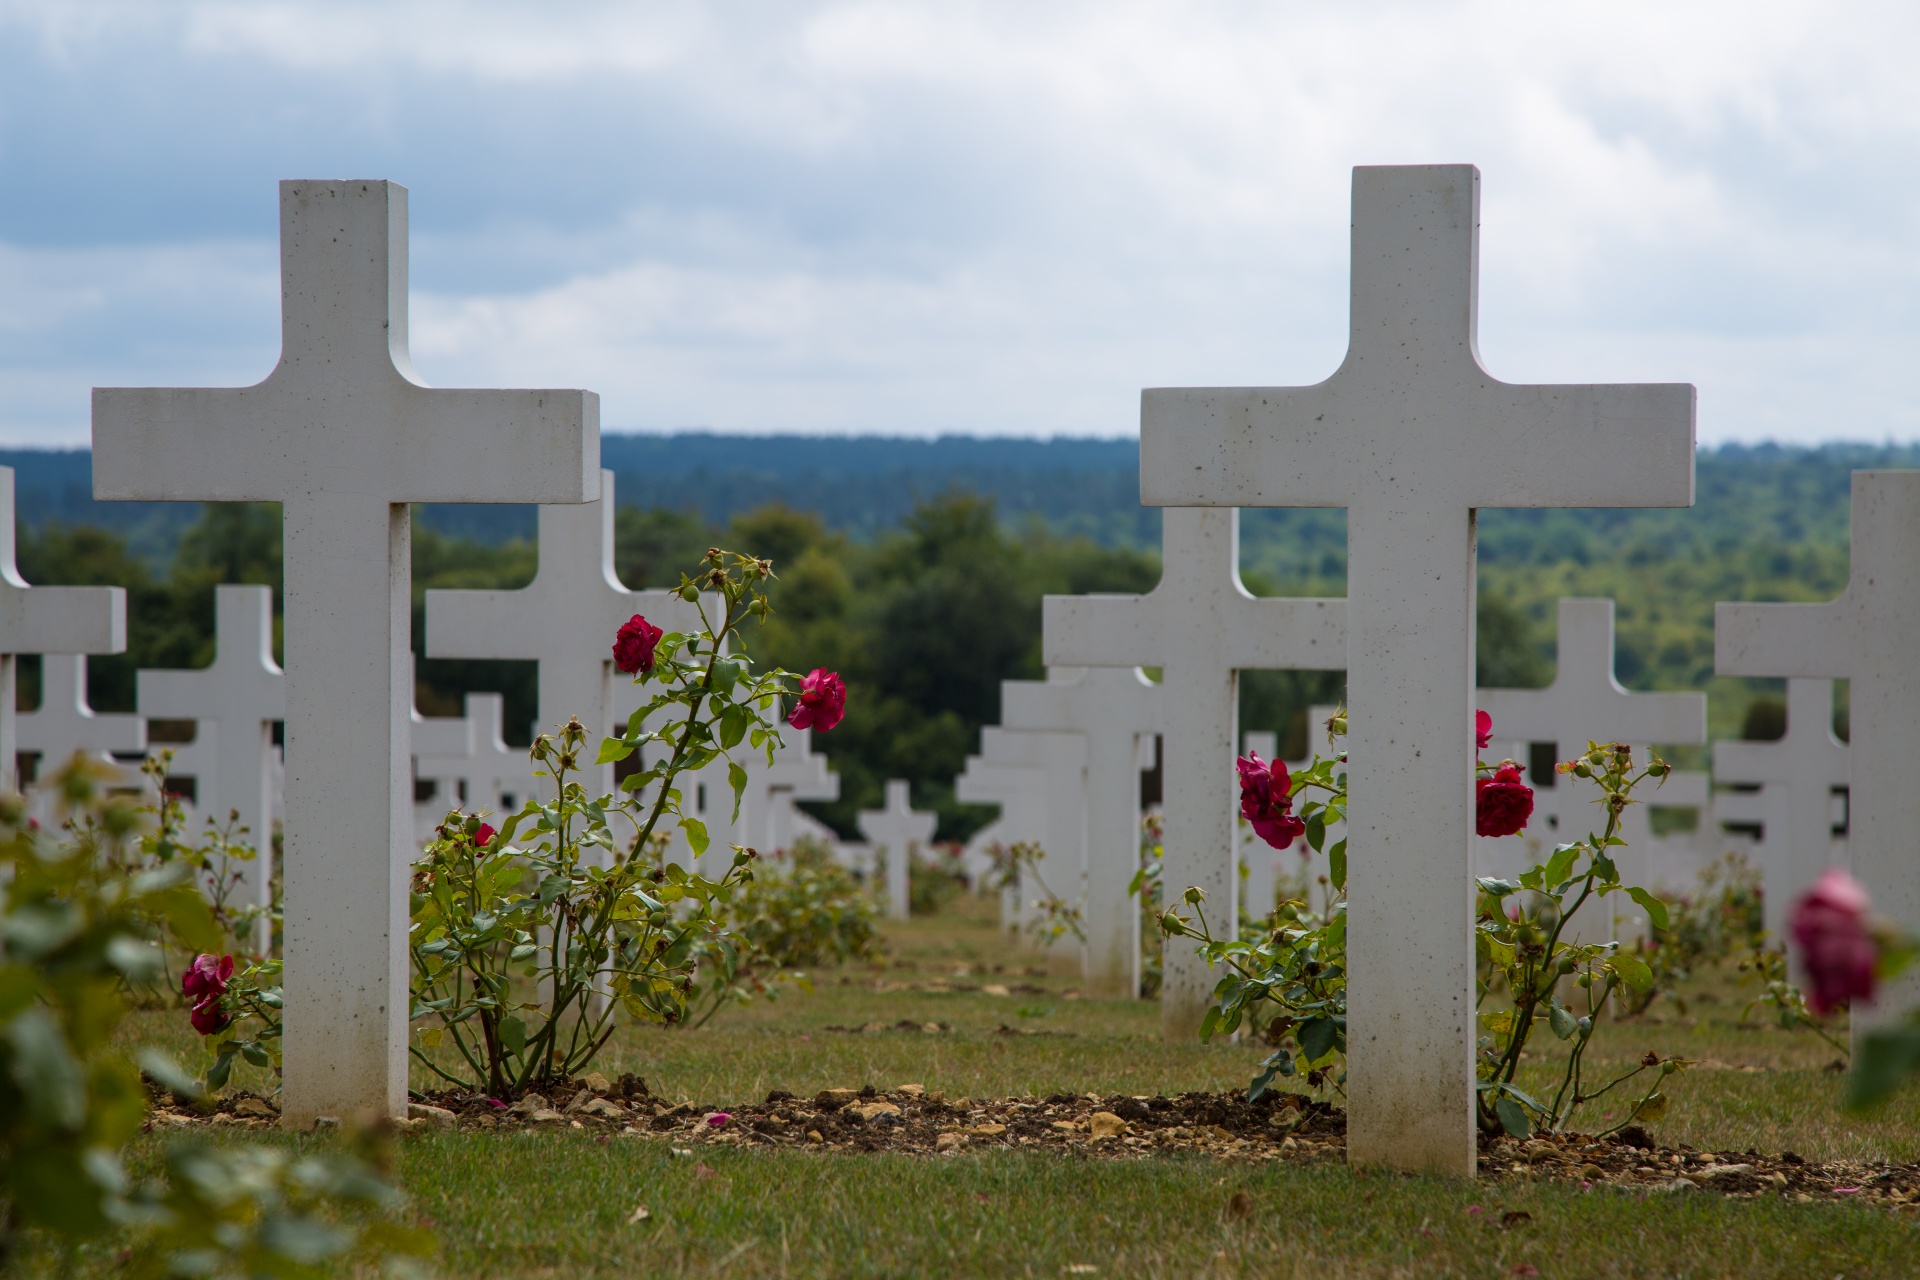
point(1266, 800)
point(206, 978)
point(718, 1119)
point(1502, 803)
point(823, 701)
point(633, 646)
point(484, 836)
point(1829, 924)
point(208, 1017)
point(1482, 729)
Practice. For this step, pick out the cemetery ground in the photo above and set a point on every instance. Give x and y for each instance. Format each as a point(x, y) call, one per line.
point(1757, 1172)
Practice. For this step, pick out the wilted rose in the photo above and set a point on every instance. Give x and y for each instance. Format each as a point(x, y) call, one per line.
point(1830, 926)
point(633, 646)
point(208, 1018)
point(1502, 803)
point(1482, 729)
point(823, 701)
point(1266, 800)
point(206, 978)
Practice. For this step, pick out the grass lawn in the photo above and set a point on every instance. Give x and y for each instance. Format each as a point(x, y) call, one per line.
point(558, 1203)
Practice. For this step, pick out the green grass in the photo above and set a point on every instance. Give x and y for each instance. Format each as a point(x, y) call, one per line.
point(557, 1204)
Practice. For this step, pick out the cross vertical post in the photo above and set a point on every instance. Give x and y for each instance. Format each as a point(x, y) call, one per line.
point(1201, 627)
point(1412, 436)
point(345, 435)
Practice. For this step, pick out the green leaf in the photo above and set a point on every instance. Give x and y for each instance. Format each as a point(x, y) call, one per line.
point(1337, 865)
point(1561, 863)
point(1656, 909)
point(726, 673)
point(513, 1034)
point(1652, 1109)
point(1513, 1117)
point(1632, 970)
point(1316, 1037)
point(612, 749)
point(1564, 1024)
point(1316, 830)
point(696, 833)
point(734, 723)
point(222, 1066)
point(1887, 1056)
point(737, 779)
point(255, 1053)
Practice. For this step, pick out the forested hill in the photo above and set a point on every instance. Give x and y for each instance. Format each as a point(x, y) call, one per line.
point(1748, 496)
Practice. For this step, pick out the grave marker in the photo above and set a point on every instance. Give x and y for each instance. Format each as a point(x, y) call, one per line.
point(44, 620)
point(234, 703)
point(565, 619)
point(63, 725)
point(1798, 775)
point(1118, 710)
point(490, 778)
point(1040, 781)
point(1412, 436)
point(1201, 627)
point(899, 834)
point(345, 435)
point(1866, 637)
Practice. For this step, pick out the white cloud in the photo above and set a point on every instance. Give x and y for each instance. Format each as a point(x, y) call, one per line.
point(912, 218)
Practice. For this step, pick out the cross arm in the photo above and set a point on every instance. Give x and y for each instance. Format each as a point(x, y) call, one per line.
point(1782, 639)
point(1287, 633)
point(63, 619)
point(477, 624)
point(1322, 446)
point(1100, 631)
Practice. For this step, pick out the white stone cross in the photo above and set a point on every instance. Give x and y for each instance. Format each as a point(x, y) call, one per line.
point(492, 778)
point(1797, 774)
point(1412, 436)
point(234, 702)
point(1586, 703)
point(44, 620)
point(1201, 627)
point(1038, 780)
point(1865, 637)
point(1115, 708)
point(565, 619)
point(63, 725)
point(766, 805)
point(899, 834)
point(345, 435)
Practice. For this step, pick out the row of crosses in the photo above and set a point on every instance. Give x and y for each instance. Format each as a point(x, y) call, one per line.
point(1411, 435)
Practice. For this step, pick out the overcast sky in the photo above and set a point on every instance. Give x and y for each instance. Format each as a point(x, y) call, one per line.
point(917, 219)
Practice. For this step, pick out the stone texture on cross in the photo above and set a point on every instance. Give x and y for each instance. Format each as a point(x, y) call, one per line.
point(490, 778)
point(1866, 638)
point(565, 619)
point(44, 620)
point(899, 835)
point(1118, 710)
point(1798, 776)
point(234, 703)
point(63, 726)
point(1201, 627)
point(345, 435)
point(1412, 436)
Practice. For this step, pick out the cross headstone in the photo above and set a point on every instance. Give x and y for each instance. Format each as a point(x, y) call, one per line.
point(1798, 775)
point(576, 582)
point(1201, 627)
point(898, 834)
point(434, 737)
point(63, 725)
point(766, 806)
point(1116, 708)
point(1412, 436)
point(1864, 637)
point(44, 620)
point(1040, 781)
point(234, 702)
point(1586, 702)
point(345, 435)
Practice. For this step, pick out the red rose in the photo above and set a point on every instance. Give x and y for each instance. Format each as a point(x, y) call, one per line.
point(1266, 800)
point(208, 1018)
point(1829, 924)
point(1503, 803)
point(206, 978)
point(484, 836)
point(1482, 729)
point(823, 701)
point(633, 646)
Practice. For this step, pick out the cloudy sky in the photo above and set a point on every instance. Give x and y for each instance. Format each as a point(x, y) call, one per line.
point(982, 218)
